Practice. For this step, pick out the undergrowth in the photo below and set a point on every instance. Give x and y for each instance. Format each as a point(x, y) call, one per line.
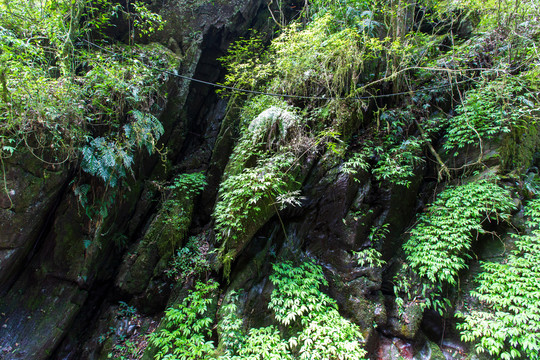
point(439, 245)
point(505, 321)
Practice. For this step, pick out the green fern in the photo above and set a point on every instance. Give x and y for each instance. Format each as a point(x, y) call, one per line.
point(506, 322)
point(439, 245)
point(187, 327)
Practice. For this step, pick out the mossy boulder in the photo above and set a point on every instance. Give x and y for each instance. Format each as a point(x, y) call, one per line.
point(406, 323)
point(262, 167)
point(164, 236)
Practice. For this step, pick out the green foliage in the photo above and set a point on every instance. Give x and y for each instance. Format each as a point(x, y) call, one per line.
point(187, 327)
point(330, 336)
point(440, 242)
point(146, 21)
point(230, 328)
point(243, 56)
point(370, 257)
point(299, 303)
point(397, 164)
point(317, 330)
point(264, 343)
point(260, 170)
point(144, 131)
point(61, 99)
point(292, 283)
point(125, 310)
point(357, 162)
point(490, 109)
point(103, 159)
point(356, 14)
point(242, 194)
point(178, 206)
point(445, 231)
point(307, 61)
point(255, 106)
point(506, 322)
point(492, 14)
point(189, 185)
point(316, 59)
point(190, 260)
point(111, 160)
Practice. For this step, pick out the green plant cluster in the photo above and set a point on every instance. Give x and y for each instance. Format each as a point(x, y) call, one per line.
point(187, 327)
point(316, 330)
point(249, 193)
point(371, 256)
point(314, 326)
point(357, 162)
point(302, 282)
point(263, 343)
point(261, 169)
point(317, 59)
point(320, 332)
point(439, 244)
point(190, 260)
point(355, 14)
point(178, 206)
point(63, 99)
point(231, 326)
point(489, 110)
point(174, 217)
point(397, 164)
point(505, 323)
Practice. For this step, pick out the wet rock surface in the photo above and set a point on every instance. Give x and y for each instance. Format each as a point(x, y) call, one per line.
point(74, 289)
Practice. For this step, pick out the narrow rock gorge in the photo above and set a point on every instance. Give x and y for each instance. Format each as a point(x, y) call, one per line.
point(269, 180)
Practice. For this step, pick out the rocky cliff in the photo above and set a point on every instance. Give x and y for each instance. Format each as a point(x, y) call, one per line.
point(76, 288)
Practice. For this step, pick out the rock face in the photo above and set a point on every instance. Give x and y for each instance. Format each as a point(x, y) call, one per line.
point(31, 195)
point(70, 287)
point(55, 265)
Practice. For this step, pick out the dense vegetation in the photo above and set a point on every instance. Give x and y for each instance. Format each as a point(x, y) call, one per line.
point(66, 99)
point(377, 91)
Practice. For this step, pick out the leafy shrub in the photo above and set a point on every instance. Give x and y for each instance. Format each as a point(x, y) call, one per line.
point(506, 322)
point(370, 257)
point(230, 327)
point(445, 232)
point(264, 343)
point(103, 159)
point(246, 58)
point(179, 205)
point(189, 185)
point(187, 327)
point(490, 109)
point(62, 101)
point(356, 14)
point(330, 336)
point(397, 164)
point(190, 260)
point(261, 169)
point(357, 162)
point(299, 303)
point(292, 283)
point(316, 59)
point(242, 194)
point(318, 330)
